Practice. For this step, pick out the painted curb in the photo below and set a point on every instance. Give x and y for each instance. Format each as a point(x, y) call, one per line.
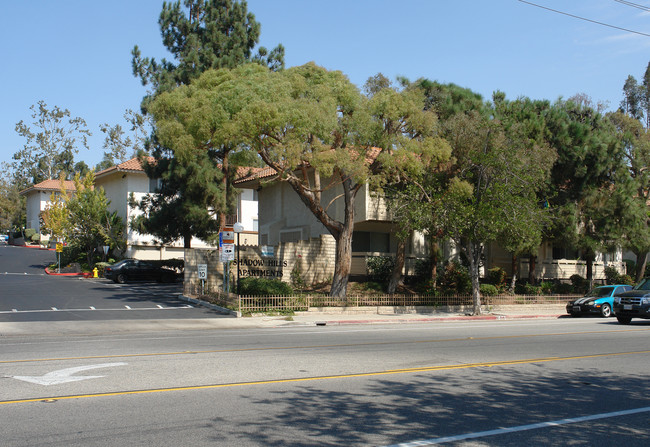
point(82, 274)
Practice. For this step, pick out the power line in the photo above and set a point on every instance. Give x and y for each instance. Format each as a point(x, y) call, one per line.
point(585, 19)
point(633, 5)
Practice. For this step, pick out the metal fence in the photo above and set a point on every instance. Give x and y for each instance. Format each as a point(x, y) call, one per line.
point(247, 305)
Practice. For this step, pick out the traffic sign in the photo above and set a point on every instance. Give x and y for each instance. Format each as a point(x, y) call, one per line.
point(227, 252)
point(227, 236)
point(59, 247)
point(203, 271)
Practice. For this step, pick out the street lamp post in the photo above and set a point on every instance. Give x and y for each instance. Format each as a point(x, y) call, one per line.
point(238, 227)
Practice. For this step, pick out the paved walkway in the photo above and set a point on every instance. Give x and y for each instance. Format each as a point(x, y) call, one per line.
point(84, 328)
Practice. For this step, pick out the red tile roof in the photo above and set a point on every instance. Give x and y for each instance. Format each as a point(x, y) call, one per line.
point(49, 185)
point(132, 165)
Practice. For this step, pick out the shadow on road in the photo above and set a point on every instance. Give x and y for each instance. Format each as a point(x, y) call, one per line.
point(438, 404)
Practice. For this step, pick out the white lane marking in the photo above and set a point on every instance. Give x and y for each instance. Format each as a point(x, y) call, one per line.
point(54, 308)
point(502, 431)
point(92, 308)
point(65, 375)
point(159, 306)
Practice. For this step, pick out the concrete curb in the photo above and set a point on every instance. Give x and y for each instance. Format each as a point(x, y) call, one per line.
point(219, 309)
point(82, 274)
point(332, 320)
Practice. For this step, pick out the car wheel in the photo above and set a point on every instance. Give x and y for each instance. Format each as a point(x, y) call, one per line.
point(624, 320)
point(605, 311)
point(121, 278)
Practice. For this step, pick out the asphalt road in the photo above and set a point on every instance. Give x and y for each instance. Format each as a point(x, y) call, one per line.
point(580, 382)
point(28, 294)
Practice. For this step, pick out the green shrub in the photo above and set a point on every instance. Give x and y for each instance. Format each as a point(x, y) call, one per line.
point(579, 283)
point(497, 277)
point(380, 268)
point(72, 254)
point(489, 290)
point(423, 269)
point(29, 232)
point(613, 277)
point(100, 268)
point(546, 287)
point(530, 289)
point(455, 279)
point(297, 281)
point(251, 286)
point(562, 288)
point(626, 279)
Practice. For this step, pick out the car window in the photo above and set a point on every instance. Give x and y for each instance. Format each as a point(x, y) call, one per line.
point(643, 285)
point(600, 291)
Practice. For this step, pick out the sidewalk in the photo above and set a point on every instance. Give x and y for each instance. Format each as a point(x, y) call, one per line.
point(301, 319)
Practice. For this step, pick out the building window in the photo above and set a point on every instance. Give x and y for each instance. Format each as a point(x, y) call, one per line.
point(561, 252)
point(290, 236)
point(256, 225)
point(155, 184)
point(366, 241)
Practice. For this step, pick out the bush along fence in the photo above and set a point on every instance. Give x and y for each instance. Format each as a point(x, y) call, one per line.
point(249, 305)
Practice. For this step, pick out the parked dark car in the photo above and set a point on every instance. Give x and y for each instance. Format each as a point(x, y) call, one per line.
point(633, 304)
point(134, 270)
point(599, 301)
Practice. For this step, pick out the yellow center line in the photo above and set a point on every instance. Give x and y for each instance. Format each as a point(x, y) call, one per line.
point(342, 345)
point(308, 379)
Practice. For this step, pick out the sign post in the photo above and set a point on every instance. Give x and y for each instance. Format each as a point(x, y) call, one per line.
point(238, 228)
point(59, 250)
point(203, 275)
point(226, 253)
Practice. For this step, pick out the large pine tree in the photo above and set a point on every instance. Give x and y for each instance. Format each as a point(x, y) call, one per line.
point(195, 193)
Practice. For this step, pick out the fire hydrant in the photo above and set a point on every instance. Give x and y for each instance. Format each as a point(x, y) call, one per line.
point(95, 273)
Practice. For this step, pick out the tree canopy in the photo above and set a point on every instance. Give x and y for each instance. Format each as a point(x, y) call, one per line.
point(194, 175)
point(314, 128)
point(52, 141)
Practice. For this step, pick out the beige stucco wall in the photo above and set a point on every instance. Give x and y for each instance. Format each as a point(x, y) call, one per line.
point(35, 202)
point(313, 258)
point(547, 268)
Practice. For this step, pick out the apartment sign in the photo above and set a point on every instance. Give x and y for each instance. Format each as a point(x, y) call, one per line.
point(261, 268)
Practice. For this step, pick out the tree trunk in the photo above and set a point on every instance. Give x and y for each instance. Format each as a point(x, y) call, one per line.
point(474, 261)
point(343, 263)
point(639, 273)
point(435, 258)
point(344, 245)
point(532, 266)
point(590, 271)
point(187, 240)
point(400, 258)
point(515, 272)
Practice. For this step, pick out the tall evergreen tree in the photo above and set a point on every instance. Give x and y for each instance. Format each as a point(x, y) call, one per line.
point(632, 103)
point(589, 157)
point(200, 35)
point(632, 192)
point(644, 93)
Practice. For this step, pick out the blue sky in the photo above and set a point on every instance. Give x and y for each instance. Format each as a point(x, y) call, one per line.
point(76, 53)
